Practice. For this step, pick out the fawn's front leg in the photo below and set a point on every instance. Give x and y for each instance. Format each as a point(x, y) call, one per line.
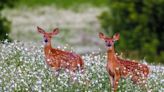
point(116, 80)
point(111, 77)
point(111, 82)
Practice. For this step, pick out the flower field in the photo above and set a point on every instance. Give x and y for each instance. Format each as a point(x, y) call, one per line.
point(23, 70)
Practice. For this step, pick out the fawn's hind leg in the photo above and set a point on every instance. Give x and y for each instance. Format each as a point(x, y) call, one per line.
point(135, 79)
point(142, 82)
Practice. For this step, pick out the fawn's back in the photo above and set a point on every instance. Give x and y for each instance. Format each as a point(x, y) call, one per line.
point(130, 68)
point(63, 59)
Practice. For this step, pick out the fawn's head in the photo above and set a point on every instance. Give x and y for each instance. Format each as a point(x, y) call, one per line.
point(109, 41)
point(48, 35)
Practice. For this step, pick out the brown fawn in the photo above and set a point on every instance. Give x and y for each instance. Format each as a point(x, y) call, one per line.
point(117, 67)
point(58, 59)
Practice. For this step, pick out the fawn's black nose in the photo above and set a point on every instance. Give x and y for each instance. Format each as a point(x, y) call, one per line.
point(45, 40)
point(108, 45)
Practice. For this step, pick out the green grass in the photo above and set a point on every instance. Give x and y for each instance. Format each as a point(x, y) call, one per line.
point(62, 3)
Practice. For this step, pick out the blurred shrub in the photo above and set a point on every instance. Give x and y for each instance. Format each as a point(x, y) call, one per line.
point(141, 25)
point(4, 23)
point(4, 28)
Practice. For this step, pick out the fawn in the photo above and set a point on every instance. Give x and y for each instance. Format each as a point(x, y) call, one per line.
point(58, 59)
point(117, 67)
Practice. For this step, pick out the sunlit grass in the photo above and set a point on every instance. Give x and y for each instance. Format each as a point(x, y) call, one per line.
point(23, 69)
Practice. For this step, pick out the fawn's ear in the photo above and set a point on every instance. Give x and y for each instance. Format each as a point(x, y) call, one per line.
point(55, 31)
point(116, 36)
point(101, 35)
point(40, 30)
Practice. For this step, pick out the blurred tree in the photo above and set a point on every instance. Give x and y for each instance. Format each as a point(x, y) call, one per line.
point(4, 23)
point(141, 25)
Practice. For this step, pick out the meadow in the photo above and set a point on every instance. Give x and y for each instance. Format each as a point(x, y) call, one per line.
point(23, 69)
point(22, 61)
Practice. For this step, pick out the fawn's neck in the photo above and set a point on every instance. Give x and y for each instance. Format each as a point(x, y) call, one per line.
point(111, 55)
point(47, 48)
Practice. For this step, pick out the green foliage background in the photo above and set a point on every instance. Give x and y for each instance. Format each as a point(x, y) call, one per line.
point(141, 25)
point(62, 3)
point(4, 28)
point(4, 23)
